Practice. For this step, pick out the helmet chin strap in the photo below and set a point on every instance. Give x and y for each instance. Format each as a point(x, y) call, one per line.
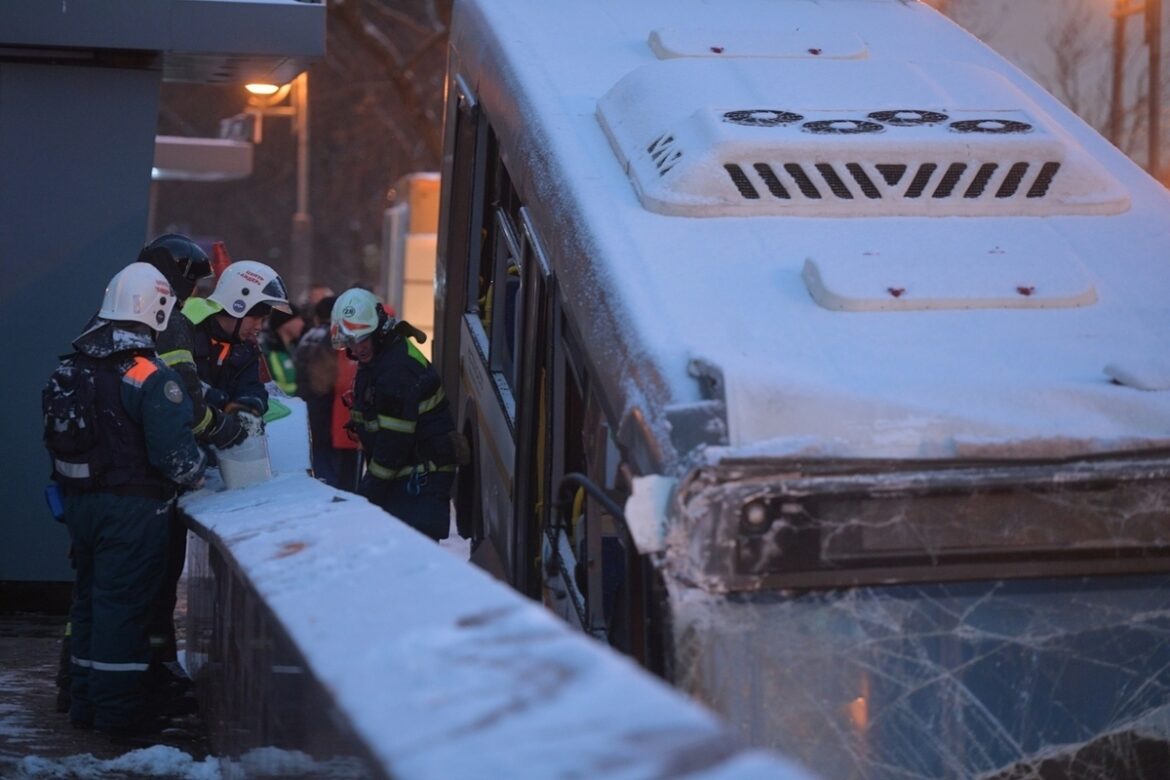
point(236, 330)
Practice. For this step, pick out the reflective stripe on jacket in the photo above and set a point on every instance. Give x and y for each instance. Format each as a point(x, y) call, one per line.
point(401, 413)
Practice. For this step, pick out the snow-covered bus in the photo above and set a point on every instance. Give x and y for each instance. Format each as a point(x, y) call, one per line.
point(816, 357)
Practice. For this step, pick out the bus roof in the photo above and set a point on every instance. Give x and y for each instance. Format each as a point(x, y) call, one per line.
point(878, 238)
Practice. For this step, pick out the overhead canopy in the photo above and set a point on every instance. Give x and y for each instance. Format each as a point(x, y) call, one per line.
point(200, 41)
point(200, 159)
point(204, 41)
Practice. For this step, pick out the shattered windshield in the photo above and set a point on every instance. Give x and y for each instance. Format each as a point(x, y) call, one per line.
point(1043, 678)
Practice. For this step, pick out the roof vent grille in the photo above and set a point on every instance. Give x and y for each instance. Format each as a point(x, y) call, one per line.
point(841, 127)
point(893, 143)
point(891, 173)
point(744, 184)
point(908, 117)
point(855, 179)
point(762, 118)
point(991, 126)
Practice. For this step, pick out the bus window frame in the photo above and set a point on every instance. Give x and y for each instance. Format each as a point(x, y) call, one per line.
point(502, 360)
point(481, 262)
point(536, 350)
point(461, 214)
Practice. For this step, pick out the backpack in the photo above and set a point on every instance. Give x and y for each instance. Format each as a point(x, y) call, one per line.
point(71, 435)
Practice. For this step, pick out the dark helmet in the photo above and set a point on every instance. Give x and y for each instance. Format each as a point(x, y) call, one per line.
point(179, 259)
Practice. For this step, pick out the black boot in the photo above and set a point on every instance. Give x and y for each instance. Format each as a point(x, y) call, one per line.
point(139, 733)
point(64, 661)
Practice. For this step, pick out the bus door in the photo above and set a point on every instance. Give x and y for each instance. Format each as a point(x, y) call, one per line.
point(535, 327)
point(563, 587)
point(496, 319)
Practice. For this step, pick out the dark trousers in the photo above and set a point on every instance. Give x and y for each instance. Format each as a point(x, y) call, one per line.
point(162, 622)
point(320, 409)
point(428, 511)
point(120, 553)
point(345, 463)
point(335, 467)
point(323, 465)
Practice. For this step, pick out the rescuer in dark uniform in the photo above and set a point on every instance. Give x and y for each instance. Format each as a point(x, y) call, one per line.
point(184, 264)
point(118, 428)
point(400, 414)
point(226, 324)
point(278, 342)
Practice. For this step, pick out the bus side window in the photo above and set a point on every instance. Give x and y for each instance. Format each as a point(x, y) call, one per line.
point(483, 299)
point(506, 300)
point(488, 240)
point(513, 305)
point(503, 297)
point(573, 452)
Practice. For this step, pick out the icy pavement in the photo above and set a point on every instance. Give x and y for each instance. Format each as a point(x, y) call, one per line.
point(36, 742)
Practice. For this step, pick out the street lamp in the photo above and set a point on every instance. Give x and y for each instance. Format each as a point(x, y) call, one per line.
point(269, 100)
point(1154, 44)
point(1152, 10)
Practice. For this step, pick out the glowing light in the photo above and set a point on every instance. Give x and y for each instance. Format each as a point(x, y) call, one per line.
point(859, 713)
point(262, 89)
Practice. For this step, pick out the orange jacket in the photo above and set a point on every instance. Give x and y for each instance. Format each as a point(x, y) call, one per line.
point(346, 371)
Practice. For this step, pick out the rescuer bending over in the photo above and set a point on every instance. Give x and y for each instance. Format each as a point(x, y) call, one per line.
point(399, 413)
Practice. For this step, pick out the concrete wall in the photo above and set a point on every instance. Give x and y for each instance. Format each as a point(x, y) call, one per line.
point(320, 624)
point(79, 91)
point(76, 145)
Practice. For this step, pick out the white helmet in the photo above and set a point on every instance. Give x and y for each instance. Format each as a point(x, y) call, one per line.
point(244, 284)
point(139, 293)
point(357, 314)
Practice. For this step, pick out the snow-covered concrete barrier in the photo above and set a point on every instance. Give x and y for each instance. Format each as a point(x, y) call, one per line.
point(321, 625)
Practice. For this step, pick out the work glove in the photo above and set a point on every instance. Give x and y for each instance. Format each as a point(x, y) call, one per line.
point(254, 406)
point(214, 397)
point(227, 431)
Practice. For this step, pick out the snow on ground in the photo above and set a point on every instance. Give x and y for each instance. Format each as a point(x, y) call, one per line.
point(170, 762)
point(156, 761)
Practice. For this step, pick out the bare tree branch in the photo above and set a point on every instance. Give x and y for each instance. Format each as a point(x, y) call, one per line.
point(388, 54)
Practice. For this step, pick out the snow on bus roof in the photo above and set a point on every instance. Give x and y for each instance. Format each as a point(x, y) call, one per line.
point(964, 318)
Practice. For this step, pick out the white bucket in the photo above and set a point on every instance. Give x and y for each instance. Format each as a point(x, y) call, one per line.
point(247, 462)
